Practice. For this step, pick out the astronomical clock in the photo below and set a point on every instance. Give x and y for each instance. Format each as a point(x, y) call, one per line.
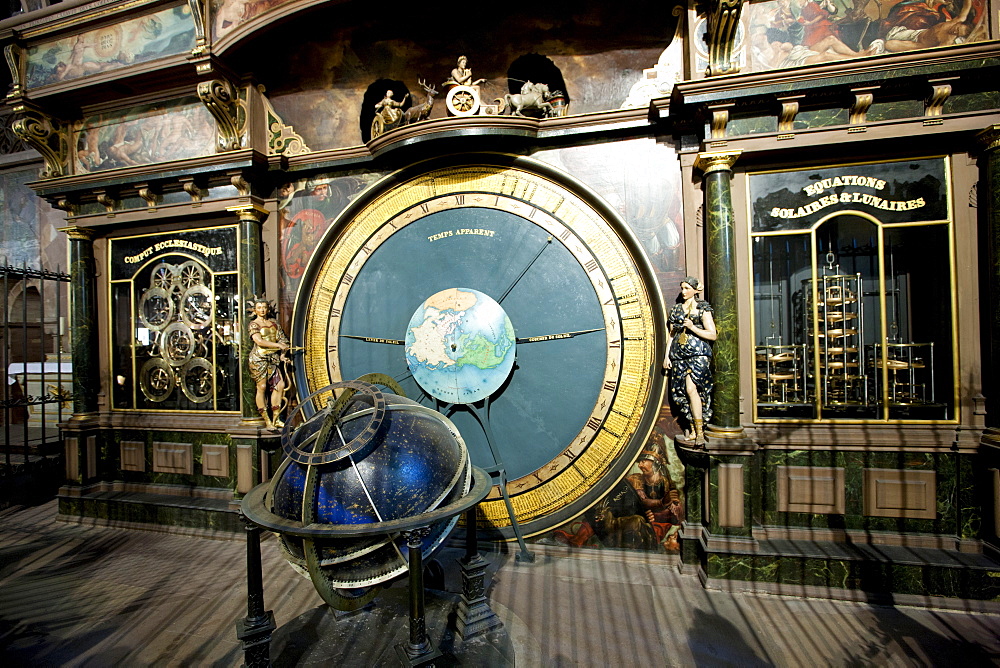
point(508, 297)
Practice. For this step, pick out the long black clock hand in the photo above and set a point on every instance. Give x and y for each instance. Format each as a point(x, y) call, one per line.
point(374, 339)
point(554, 337)
point(524, 271)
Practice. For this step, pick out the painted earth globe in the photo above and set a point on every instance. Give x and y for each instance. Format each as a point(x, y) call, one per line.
point(356, 455)
point(460, 345)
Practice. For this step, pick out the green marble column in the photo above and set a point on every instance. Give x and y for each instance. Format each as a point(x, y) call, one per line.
point(84, 322)
point(720, 225)
point(989, 201)
point(251, 260)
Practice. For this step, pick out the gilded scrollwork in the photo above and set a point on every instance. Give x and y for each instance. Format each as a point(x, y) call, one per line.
point(223, 101)
point(281, 139)
point(14, 53)
point(723, 20)
point(198, 14)
point(45, 134)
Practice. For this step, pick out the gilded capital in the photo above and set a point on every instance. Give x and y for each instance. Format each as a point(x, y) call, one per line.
point(249, 212)
point(79, 233)
point(717, 161)
point(989, 139)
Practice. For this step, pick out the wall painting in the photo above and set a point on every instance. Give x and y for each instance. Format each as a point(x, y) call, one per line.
point(641, 180)
point(791, 33)
point(29, 235)
point(174, 130)
point(156, 35)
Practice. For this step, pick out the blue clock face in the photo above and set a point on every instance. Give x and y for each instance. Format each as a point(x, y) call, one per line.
point(496, 302)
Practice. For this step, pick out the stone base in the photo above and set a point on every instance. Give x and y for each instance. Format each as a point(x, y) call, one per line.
point(205, 512)
point(873, 573)
point(371, 636)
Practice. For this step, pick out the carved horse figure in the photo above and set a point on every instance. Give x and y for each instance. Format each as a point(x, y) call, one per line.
point(420, 112)
point(532, 96)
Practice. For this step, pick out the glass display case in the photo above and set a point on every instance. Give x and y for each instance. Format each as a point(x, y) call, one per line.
point(175, 321)
point(854, 320)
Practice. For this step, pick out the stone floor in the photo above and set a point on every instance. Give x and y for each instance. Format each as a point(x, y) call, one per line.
point(73, 595)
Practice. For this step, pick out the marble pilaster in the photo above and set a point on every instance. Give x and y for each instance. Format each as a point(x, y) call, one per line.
point(84, 322)
point(720, 225)
point(251, 268)
point(989, 201)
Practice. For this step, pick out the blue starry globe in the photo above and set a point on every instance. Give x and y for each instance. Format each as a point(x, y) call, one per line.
point(364, 456)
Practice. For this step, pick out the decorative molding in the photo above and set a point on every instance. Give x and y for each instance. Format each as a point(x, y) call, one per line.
point(133, 456)
point(15, 55)
point(192, 188)
point(940, 90)
point(723, 20)
point(731, 495)
point(105, 200)
point(281, 139)
point(173, 458)
point(199, 16)
point(720, 119)
point(989, 138)
point(215, 460)
point(222, 99)
point(863, 98)
point(45, 134)
point(240, 183)
point(900, 493)
point(817, 490)
point(148, 194)
point(789, 109)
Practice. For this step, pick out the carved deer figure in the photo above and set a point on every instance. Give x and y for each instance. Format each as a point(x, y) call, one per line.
point(630, 531)
point(420, 112)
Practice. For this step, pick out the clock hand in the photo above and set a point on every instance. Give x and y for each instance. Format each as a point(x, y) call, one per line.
point(553, 337)
point(525, 270)
point(374, 339)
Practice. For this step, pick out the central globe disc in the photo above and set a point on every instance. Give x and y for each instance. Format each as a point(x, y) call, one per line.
point(460, 345)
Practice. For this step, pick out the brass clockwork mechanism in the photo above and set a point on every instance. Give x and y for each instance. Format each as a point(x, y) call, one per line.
point(400, 285)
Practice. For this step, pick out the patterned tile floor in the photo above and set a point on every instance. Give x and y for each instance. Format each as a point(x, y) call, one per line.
point(73, 595)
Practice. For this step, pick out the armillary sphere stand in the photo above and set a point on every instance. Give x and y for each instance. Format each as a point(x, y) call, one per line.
point(474, 614)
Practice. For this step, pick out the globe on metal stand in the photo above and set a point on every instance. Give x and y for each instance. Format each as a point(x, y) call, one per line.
point(373, 482)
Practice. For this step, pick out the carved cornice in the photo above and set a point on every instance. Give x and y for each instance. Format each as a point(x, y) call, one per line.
point(723, 20)
point(222, 99)
point(45, 134)
point(989, 139)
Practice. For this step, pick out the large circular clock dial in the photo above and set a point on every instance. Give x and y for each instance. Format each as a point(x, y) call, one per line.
point(585, 388)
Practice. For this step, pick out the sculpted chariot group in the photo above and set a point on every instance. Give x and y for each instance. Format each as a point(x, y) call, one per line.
point(463, 99)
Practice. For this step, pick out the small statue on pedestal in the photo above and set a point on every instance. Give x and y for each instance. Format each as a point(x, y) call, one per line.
point(689, 360)
point(268, 361)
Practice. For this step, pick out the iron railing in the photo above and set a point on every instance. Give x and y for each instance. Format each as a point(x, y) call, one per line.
point(37, 373)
